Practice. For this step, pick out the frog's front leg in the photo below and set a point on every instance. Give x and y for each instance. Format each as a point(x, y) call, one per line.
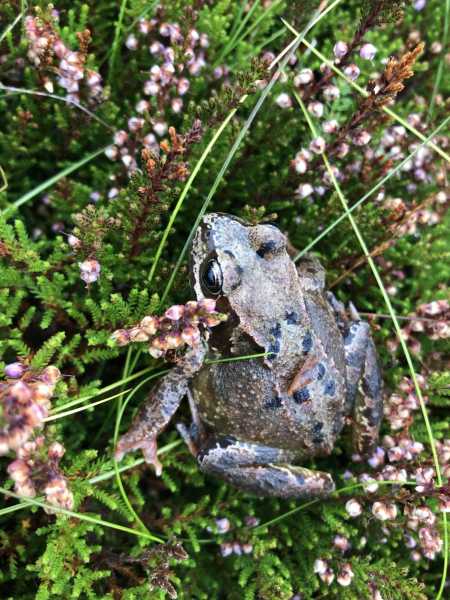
point(163, 401)
point(261, 470)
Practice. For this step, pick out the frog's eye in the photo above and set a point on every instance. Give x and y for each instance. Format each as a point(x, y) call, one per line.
point(212, 278)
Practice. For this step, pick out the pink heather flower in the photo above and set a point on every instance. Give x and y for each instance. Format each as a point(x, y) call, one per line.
point(304, 190)
point(14, 370)
point(111, 152)
point(177, 105)
point(120, 137)
point(223, 525)
point(343, 150)
point(151, 88)
point(304, 77)
point(317, 145)
point(132, 42)
point(284, 101)
point(345, 575)
point(384, 511)
point(300, 165)
point(368, 51)
point(342, 543)
point(73, 241)
point(135, 124)
point(247, 548)
point(160, 128)
point(340, 49)
point(175, 312)
point(330, 126)
point(331, 92)
point(56, 450)
point(320, 566)
point(316, 109)
point(352, 71)
point(90, 270)
point(361, 138)
point(226, 549)
point(142, 106)
point(353, 508)
point(420, 4)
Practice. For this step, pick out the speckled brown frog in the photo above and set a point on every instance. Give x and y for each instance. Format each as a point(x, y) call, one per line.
point(255, 420)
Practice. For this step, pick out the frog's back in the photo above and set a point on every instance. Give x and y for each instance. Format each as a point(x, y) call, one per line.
point(260, 400)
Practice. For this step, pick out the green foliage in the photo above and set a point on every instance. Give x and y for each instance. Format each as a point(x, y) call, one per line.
point(117, 217)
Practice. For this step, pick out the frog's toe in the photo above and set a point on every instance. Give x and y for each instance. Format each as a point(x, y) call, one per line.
point(147, 445)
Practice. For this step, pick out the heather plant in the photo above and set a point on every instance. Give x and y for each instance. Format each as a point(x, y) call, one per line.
point(121, 125)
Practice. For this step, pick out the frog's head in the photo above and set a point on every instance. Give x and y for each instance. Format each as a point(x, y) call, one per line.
point(245, 267)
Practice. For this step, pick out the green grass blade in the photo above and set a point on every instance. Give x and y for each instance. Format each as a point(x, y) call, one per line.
point(10, 210)
point(116, 41)
point(82, 516)
point(441, 66)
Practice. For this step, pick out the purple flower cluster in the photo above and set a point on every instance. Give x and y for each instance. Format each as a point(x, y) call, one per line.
point(177, 56)
point(181, 325)
point(25, 403)
point(45, 45)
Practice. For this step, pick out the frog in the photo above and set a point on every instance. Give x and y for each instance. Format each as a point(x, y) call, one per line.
point(311, 368)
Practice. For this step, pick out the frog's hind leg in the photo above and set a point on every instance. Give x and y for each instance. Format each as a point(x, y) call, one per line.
point(364, 382)
point(262, 470)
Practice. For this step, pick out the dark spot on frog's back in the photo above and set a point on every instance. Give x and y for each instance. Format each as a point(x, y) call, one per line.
point(275, 344)
point(320, 371)
point(273, 403)
point(307, 342)
point(330, 387)
point(317, 432)
point(301, 396)
point(291, 318)
point(266, 248)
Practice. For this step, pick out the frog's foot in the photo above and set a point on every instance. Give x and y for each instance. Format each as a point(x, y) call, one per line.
point(262, 470)
point(146, 443)
point(364, 384)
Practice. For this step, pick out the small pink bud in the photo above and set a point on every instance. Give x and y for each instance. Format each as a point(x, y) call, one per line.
point(174, 313)
point(21, 392)
point(138, 335)
point(150, 325)
point(340, 49)
point(317, 145)
point(90, 270)
point(353, 508)
point(56, 450)
point(51, 375)
point(121, 337)
point(284, 101)
point(368, 51)
point(304, 77)
point(14, 370)
point(352, 71)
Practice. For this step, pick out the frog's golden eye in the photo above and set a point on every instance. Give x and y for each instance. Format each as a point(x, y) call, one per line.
point(212, 278)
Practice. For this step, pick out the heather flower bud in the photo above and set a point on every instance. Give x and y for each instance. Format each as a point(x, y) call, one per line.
point(345, 575)
point(21, 392)
point(304, 190)
point(384, 511)
point(331, 92)
point(42, 392)
point(304, 77)
point(4, 446)
point(90, 270)
point(175, 312)
point(352, 71)
point(149, 325)
point(138, 335)
point(340, 49)
point(73, 241)
point(14, 370)
point(56, 451)
point(316, 109)
point(51, 375)
point(368, 51)
point(330, 126)
point(121, 337)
